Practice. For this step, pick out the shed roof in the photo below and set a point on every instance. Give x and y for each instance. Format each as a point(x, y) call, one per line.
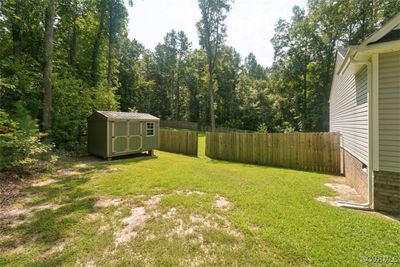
point(127, 115)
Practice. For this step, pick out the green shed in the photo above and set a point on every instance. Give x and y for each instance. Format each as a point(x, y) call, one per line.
point(112, 134)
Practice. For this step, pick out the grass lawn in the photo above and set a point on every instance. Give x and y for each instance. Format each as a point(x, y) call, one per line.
point(181, 210)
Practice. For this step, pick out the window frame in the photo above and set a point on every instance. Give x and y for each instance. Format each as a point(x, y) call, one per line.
point(153, 128)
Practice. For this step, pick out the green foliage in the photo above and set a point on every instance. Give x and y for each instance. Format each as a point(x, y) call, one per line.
point(305, 52)
point(262, 128)
point(74, 101)
point(96, 66)
point(20, 142)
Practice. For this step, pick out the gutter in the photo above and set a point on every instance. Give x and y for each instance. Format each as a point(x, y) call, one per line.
point(369, 204)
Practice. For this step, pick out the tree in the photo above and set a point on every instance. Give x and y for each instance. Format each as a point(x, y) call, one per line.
point(227, 76)
point(182, 53)
point(117, 17)
point(48, 65)
point(254, 69)
point(90, 63)
point(101, 9)
point(129, 73)
point(212, 33)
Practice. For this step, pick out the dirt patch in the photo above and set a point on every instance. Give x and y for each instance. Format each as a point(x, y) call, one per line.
point(170, 214)
point(191, 231)
point(107, 202)
point(92, 217)
point(83, 169)
point(67, 172)
point(197, 223)
point(330, 200)
point(189, 226)
point(103, 229)
point(139, 215)
point(11, 185)
point(203, 221)
point(95, 170)
point(90, 263)
point(153, 201)
point(134, 223)
point(58, 248)
point(182, 229)
point(188, 192)
point(345, 193)
point(14, 248)
point(44, 182)
point(81, 165)
point(222, 203)
point(19, 216)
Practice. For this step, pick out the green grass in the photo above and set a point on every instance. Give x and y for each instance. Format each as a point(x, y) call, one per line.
point(274, 211)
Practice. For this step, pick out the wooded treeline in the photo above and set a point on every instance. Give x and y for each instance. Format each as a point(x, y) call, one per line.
point(62, 59)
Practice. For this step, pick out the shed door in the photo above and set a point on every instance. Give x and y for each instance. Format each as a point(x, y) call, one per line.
point(119, 137)
point(126, 136)
point(135, 136)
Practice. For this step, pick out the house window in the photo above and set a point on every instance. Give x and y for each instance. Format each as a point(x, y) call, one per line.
point(150, 129)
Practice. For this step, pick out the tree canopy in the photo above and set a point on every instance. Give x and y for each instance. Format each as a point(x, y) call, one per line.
point(61, 60)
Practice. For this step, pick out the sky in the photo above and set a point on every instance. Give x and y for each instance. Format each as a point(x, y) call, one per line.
point(250, 23)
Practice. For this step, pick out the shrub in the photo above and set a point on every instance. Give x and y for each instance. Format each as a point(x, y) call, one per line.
point(74, 101)
point(262, 128)
point(20, 142)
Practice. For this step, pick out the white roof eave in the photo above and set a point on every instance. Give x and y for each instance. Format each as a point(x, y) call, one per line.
point(392, 24)
point(365, 50)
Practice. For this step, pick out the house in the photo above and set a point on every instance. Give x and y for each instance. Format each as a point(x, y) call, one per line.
point(112, 134)
point(365, 109)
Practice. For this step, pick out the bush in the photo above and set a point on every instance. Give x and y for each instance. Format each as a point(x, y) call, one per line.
point(74, 101)
point(20, 142)
point(262, 128)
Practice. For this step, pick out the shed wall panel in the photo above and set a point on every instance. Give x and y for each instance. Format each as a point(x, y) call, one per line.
point(151, 142)
point(97, 136)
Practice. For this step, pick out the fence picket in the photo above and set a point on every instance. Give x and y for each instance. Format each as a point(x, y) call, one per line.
point(182, 142)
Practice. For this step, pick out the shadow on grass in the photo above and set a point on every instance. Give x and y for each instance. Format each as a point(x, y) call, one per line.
point(244, 164)
point(66, 203)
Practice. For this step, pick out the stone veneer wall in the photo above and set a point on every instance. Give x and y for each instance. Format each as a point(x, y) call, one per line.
point(353, 171)
point(387, 191)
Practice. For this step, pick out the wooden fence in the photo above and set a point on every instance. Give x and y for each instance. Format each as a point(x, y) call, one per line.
point(306, 151)
point(182, 142)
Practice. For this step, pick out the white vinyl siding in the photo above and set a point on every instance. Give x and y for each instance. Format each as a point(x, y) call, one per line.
point(389, 112)
point(348, 111)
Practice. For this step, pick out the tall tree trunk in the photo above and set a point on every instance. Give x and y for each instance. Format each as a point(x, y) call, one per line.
point(110, 43)
point(16, 38)
point(48, 66)
point(74, 46)
point(211, 89)
point(178, 103)
point(16, 33)
point(178, 93)
point(329, 63)
point(305, 124)
point(96, 45)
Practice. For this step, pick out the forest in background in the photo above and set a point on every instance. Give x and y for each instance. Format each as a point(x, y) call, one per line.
point(63, 59)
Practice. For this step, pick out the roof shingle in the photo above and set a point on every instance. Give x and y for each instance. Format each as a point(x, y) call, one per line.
point(127, 115)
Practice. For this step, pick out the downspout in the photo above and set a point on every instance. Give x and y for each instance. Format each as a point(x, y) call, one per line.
point(369, 204)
